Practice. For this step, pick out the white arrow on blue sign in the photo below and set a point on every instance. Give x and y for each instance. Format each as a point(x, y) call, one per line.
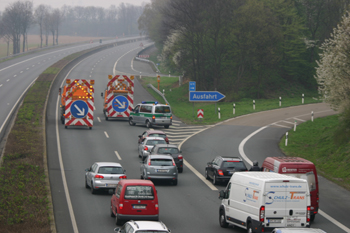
point(79, 109)
point(192, 86)
point(120, 103)
point(205, 96)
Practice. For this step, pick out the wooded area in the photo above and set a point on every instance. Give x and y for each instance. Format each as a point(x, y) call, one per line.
point(20, 18)
point(243, 48)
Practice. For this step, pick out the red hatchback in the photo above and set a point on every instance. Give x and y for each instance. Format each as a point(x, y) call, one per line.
point(134, 200)
point(153, 133)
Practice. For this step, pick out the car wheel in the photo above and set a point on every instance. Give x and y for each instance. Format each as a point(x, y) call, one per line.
point(214, 179)
point(222, 220)
point(249, 228)
point(86, 185)
point(180, 169)
point(206, 174)
point(93, 191)
point(65, 127)
point(118, 221)
point(175, 182)
point(148, 124)
point(131, 122)
point(166, 126)
point(112, 214)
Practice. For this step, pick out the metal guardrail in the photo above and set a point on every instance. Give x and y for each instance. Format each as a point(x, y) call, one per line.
point(159, 92)
point(146, 60)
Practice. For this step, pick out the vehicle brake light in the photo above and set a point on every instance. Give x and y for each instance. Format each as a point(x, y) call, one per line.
point(145, 148)
point(153, 117)
point(156, 206)
point(167, 140)
point(122, 177)
point(262, 213)
point(286, 181)
point(99, 177)
point(180, 157)
point(149, 162)
point(171, 117)
point(174, 163)
point(121, 206)
point(308, 214)
point(220, 173)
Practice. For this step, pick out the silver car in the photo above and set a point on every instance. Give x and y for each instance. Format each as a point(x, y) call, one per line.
point(103, 176)
point(159, 167)
point(147, 144)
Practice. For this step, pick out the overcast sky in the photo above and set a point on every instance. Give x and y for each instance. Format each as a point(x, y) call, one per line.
point(59, 3)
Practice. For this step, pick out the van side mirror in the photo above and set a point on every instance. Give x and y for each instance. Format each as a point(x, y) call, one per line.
point(222, 194)
point(101, 94)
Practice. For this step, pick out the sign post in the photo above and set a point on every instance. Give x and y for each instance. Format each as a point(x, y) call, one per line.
point(158, 80)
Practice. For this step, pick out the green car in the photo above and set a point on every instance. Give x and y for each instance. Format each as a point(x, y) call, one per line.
point(151, 114)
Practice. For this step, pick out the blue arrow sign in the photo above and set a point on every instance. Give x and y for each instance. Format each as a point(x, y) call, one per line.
point(205, 96)
point(120, 103)
point(79, 109)
point(192, 86)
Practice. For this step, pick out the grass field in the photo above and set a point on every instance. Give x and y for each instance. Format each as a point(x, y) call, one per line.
point(34, 42)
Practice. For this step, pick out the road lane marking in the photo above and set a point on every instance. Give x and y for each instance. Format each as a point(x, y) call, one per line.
point(98, 118)
point(106, 134)
point(117, 154)
point(0, 85)
point(283, 126)
point(200, 176)
point(288, 122)
point(7, 80)
point(298, 119)
point(335, 222)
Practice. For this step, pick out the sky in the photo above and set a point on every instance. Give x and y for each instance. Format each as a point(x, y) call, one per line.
point(60, 3)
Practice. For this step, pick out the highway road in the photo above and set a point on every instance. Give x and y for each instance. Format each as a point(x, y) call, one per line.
point(192, 205)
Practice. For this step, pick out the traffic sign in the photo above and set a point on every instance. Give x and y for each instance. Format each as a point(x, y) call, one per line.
point(192, 86)
point(200, 113)
point(205, 96)
point(120, 103)
point(79, 109)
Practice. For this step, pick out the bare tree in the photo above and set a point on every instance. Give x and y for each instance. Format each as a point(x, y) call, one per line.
point(40, 13)
point(12, 20)
point(26, 20)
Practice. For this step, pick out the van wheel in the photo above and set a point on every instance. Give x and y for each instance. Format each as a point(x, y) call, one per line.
point(249, 228)
point(222, 220)
point(214, 180)
point(118, 221)
point(148, 124)
point(166, 126)
point(131, 122)
point(312, 217)
point(112, 214)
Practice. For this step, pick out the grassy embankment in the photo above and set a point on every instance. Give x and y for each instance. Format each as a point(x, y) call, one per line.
point(312, 140)
point(24, 202)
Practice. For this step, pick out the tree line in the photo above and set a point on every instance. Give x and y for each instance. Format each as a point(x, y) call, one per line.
point(21, 18)
point(243, 48)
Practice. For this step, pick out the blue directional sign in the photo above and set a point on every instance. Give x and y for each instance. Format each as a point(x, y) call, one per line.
point(120, 103)
point(192, 86)
point(79, 109)
point(205, 96)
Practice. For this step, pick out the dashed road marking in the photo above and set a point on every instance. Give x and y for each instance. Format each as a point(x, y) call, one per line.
point(106, 134)
point(117, 154)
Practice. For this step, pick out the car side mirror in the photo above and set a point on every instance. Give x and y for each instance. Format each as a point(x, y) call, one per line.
point(180, 151)
point(88, 169)
point(101, 94)
point(124, 171)
point(140, 136)
point(117, 229)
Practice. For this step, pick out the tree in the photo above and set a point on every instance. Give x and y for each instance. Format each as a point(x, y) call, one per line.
point(39, 15)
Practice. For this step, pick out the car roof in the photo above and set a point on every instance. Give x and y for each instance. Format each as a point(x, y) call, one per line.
point(166, 145)
point(156, 156)
point(155, 131)
point(154, 138)
point(135, 182)
point(298, 230)
point(108, 164)
point(231, 158)
point(148, 225)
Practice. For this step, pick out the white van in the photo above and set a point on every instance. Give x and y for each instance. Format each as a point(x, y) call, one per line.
point(262, 201)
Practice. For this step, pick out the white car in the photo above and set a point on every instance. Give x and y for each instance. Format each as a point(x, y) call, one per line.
point(142, 226)
point(147, 144)
point(297, 230)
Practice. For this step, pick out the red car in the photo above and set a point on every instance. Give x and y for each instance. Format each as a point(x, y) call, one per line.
point(134, 200)
point(153, 133)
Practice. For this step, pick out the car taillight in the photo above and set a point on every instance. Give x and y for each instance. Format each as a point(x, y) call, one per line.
point(262, 213)
point(171, 117)
point(149, 162)
point(167, 140)
point(153, 117)
point(122, 177)
point(121, 206)
point(180, 157)
point(145, 148)
point(308, 214)
point(99, 177)
point(156, 206)
point(174, 163)
point(220, 173)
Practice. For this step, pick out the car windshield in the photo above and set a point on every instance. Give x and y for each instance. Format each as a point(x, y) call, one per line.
point(110, 170)
point(155, 142)
point(137, 192)
point(161, 162)
point(162, 109)
point(166, 150)
point(234, 164)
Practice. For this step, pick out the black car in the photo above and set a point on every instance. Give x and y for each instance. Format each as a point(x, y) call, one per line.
point(222, 168)
point(169, 149)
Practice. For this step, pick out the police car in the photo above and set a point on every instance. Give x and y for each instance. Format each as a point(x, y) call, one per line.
point(151, 113)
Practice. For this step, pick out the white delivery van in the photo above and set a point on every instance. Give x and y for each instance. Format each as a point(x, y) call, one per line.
point(262, 201)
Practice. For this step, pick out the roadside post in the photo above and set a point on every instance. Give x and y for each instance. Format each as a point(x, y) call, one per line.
point(295, 125)
point(280, 101)
point(302, 98)
point(286, 139)
point(192, 87)
point(200, 114)
point(219, 115)
point(312, 116)
point(158, 80)
point(234, 109)
point(253, 104)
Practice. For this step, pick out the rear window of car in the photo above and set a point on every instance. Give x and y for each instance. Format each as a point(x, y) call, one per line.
point(150, 231)
point(234, 164)
point(155, 142)
point(162, 109)
point(137, 192)
point(157, 135)
point(162, 162)
point(165, 150)
point(110, 170)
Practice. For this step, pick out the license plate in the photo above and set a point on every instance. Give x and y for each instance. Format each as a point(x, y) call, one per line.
point(162, 170)
point(275, 220)
point(139, 206)
point(111, 185)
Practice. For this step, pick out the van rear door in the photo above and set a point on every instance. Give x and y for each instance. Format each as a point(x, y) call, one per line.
point(275, 205)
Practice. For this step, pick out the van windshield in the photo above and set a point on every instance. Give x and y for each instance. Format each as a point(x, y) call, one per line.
point(309, 177)
point(138, 192)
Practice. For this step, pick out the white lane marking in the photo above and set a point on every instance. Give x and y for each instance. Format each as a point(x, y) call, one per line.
point(106, 134)
point(117, 154)
point(298, 119)
point(15, 75)
point(21, 72)
point(283, 126)
point(335, 222)
point(92, 68)
point(0, 85)
point(8, 116)
point(98, 118)
point(7, 80)
point(200, 176)
point(90, 75)
point(287, 122)
point(27, 68)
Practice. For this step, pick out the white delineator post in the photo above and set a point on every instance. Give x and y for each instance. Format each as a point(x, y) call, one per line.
point(254, 104)
point(286, 139)
point(219, 115)
point(234, 109)
point(280, 101)
point(295, 125)
point(312, 116)
point(302, 98)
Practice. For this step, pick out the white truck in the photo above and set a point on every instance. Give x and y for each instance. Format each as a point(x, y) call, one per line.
point(262, 201)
